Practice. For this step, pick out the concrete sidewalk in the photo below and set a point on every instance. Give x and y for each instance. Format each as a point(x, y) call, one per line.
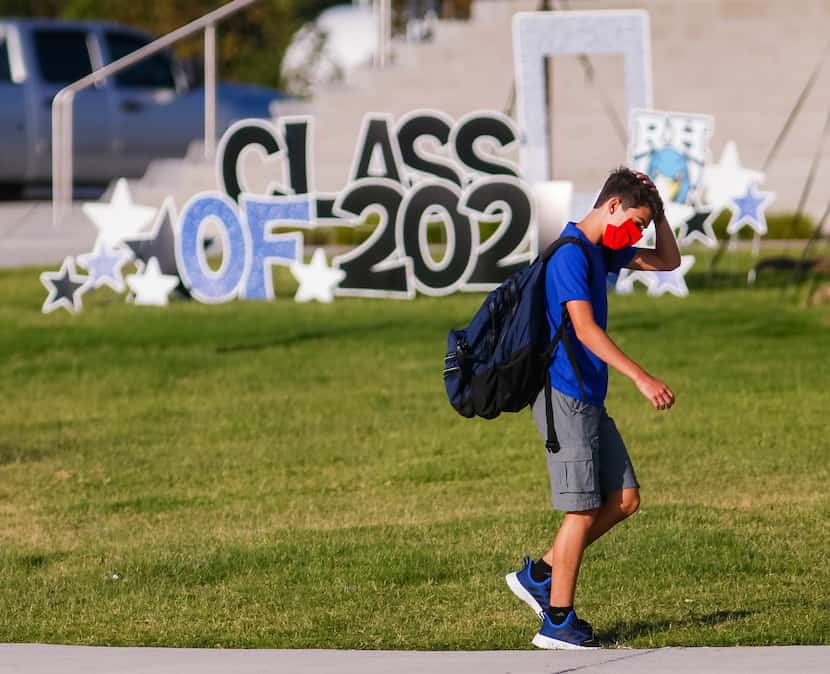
point(27, 236)
point(42, 659)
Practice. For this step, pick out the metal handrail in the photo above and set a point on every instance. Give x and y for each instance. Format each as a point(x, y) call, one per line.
point(62, 169)
point(383, 19)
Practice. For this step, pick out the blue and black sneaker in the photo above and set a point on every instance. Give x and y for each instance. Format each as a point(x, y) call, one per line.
point(572, 634)
point(534, 594)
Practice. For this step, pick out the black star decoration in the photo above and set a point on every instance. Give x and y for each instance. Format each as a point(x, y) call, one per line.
point(699, 227)
point(65, 288)
point(160, 243)
point(695, 223)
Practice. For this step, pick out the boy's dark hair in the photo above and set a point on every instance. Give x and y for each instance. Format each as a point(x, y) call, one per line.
point(631, 191)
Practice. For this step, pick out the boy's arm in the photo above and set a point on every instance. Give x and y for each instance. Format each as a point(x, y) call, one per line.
point(665, 256)
point(596, 339)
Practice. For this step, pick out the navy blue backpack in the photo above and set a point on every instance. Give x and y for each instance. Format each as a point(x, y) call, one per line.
point(501, 360)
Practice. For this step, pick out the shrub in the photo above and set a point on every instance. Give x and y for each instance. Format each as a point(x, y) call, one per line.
point(779, 226)
point(344, 235)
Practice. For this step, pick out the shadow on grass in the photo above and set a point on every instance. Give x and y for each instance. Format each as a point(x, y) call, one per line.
point(12, 454)
point(627, 631)
point(33, 561)
point(724, 278)
point(299, 337)
point(727, 279)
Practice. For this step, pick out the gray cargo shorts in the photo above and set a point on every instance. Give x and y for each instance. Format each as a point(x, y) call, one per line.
point(592, 460)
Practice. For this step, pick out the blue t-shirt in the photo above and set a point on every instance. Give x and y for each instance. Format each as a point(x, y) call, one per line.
point(566, 278)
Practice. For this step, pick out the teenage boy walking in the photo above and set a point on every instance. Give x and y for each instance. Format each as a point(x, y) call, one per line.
point(591, 475)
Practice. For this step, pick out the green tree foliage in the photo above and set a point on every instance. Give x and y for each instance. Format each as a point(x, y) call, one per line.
point(251, 43)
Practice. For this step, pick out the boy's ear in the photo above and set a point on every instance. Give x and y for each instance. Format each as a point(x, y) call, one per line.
point(613, 204)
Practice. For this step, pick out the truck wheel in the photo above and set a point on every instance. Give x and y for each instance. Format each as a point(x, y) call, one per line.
point(11, 191)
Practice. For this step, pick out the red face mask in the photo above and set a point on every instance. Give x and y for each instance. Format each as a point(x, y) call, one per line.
point(617, 237)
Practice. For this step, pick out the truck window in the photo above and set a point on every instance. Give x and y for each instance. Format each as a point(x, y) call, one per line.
point(62, 55)
point(5, 66)
point(153, 72)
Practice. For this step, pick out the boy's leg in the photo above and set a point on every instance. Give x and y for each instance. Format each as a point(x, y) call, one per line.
point(575, 486)
point(619, 505)
point(566, 555)
point(592, 480)
point(615, 508)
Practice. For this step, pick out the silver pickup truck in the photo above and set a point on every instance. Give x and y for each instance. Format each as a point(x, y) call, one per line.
point(142, 113)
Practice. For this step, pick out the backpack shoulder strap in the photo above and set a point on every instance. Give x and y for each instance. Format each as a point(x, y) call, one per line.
point(547, 254)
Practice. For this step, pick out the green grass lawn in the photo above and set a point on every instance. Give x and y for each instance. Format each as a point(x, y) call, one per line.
point(282, 475)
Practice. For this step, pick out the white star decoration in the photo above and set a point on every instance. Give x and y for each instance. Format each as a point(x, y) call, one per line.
point(727, 179)
point(627, 278)
point(152, 287)
point(120, 218)
point(673, 282)
point(104, 266)
point(658, 282)
point(317, 280)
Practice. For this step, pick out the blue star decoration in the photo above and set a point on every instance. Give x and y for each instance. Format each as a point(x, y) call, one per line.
point(750, 211)
point(104, 266)
point(65, 288)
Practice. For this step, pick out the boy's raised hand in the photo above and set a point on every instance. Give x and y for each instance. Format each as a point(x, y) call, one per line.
point(656, 391)
point(644, 178)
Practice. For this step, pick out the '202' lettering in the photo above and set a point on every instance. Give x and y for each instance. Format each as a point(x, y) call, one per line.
point(396, 261)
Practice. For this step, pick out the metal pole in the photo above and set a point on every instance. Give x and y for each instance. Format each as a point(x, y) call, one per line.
point(384, 26)
point(62, 155)
point(756, 245)
point(57, 160)
point(210, 91)
point(546, 7)
point(376, 12)
point(68, 149)
point(387, 31)
point(549, 108)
